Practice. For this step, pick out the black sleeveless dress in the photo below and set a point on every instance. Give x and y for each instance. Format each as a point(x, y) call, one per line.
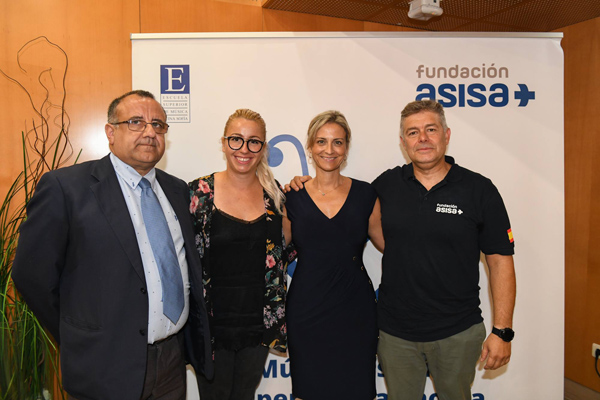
point(331, 305)
point(237, 261)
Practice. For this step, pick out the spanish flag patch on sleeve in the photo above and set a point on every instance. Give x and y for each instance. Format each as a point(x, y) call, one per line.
point(510, 236)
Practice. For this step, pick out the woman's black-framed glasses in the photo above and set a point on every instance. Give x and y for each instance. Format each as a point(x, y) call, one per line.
point(237, 142)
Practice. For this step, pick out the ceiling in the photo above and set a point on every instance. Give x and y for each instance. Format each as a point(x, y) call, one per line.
point(459, 15)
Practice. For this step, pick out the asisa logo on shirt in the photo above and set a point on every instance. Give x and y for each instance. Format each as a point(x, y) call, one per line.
point(448, 209)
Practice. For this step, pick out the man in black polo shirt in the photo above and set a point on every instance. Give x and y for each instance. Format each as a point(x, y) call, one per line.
point(437, 217)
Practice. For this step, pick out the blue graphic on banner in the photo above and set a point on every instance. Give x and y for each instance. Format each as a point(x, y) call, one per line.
point(434, 396)
point(474, 94)
point(275, 160)
point(175, 79)
point(291, 268)
point(477, 94)
point(276, 155)
point(524, 95)
point(271, 370)
point(280, 396)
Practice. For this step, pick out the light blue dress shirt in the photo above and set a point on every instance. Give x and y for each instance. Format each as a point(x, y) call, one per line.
point(159, 326)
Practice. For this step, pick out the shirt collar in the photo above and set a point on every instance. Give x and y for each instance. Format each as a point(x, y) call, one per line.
point(129, 174)
point(454, 175)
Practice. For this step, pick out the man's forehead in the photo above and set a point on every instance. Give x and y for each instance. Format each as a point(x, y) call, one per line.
point(138, 105)
point(422, 117)
point(425, 114)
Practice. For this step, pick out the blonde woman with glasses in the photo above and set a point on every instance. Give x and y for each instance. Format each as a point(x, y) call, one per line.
point(240, 223)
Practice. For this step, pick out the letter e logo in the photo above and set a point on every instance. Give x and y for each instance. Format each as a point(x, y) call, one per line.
point(174, 79)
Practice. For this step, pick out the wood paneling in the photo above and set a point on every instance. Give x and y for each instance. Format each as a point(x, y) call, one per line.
point(199, 16)
point(581, 45)
point(95, 36)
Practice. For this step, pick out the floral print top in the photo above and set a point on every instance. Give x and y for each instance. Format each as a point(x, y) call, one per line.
point(277, 258)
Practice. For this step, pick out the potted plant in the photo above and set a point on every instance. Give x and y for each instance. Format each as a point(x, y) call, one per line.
point(29, 366)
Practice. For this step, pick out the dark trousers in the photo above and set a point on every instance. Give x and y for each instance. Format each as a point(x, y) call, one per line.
point(237, 374)
point(165, 371)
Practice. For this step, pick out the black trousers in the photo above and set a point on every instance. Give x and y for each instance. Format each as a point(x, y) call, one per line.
point(237, 374)
point(165, 371)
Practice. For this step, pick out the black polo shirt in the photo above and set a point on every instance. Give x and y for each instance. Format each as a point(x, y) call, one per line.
point(430, 276)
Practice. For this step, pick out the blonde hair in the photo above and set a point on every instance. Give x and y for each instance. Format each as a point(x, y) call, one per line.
point(263, 172)
point(326, 117)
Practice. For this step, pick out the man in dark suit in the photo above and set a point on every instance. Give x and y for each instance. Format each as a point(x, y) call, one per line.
point(88, 267)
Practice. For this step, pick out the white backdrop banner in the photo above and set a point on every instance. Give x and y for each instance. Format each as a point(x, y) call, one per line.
point(504, 103)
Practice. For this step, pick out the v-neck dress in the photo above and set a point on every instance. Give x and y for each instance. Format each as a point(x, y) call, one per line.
point(331, 305)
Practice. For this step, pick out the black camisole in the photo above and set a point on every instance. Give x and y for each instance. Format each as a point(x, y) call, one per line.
point(237, 260)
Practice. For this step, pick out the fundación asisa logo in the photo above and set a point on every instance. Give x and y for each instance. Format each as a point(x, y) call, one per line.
point(471, 86)
point(448, 209)
point(175, 92)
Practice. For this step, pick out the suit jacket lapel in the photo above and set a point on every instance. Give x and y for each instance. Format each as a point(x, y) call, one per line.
point(110, 199)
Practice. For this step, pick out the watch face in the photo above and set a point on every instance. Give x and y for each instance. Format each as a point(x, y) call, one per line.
point(508, 334)
point(505, 334)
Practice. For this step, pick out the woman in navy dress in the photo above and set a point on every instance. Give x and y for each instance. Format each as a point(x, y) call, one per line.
point(331, 305)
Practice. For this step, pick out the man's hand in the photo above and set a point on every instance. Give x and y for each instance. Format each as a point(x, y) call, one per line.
point(496, 351)
point(296, 183)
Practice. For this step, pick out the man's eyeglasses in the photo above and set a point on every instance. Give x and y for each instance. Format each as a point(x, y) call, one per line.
point(139, 125)
point(237, 142)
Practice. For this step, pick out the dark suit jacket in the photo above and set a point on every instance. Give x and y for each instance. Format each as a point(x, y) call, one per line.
point(78, 267)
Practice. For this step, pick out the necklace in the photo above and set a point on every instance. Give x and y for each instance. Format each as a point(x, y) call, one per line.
point(324, 193)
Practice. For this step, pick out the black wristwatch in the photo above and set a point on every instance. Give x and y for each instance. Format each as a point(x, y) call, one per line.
point(505, 334)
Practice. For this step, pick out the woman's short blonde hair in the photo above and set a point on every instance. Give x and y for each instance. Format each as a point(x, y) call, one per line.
point(326, 117)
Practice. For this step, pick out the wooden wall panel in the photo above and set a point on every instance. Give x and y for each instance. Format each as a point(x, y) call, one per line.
point(95, 36)
point(199, 16)
point(581, 45)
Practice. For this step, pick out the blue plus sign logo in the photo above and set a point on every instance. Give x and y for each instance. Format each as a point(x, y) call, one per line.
point(524, 95)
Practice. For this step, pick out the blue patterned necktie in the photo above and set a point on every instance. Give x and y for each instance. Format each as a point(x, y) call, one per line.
point(164, 252)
